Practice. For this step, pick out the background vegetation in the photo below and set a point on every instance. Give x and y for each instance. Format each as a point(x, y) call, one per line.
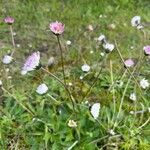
point(45, 126)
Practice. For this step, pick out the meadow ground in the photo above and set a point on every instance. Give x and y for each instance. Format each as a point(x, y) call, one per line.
point(32, 121)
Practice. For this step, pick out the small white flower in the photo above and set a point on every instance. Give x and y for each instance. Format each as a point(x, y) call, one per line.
point(9, 77)
point(111, 132)
point(68, 42)
point(108, 46)
point(100, 16)
point(7, 59)
point(133, 96)
point(86, 102)
point(1, 82)
point(132, 47)
point(131, 112)
point(101, 37)
point(81, 77)
point(85, 68)
point(102, 54)
point(14, 33)
point(91, 52)
point(23, 72)
point(70, 84)
point(7, 70)
point(72, 123)
point(18, 45)
point(135, 21)
point(144, 83)
point(42, 89)
point(95, 110)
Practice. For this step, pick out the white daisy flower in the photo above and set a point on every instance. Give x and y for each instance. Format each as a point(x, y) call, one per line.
point(95, 110)
point(72, 123)
point(7, 59)
point(68, 42)
point(85, 68)
point(144, 83)
point(135, 21)
point(133, 96)
point(42, 89)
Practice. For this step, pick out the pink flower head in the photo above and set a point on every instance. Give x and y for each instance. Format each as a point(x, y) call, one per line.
point(129, 63)
point(146, 50)
point(31, 63)
point(57, 27)
point(9, 20)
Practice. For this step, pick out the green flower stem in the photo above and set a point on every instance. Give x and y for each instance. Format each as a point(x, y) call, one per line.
point(62, 60)
point(67, 90)
point(12, 39)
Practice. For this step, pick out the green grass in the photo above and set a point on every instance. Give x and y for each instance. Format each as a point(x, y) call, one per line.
point(31, 121)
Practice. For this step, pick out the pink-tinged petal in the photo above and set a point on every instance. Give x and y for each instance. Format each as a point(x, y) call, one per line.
point(57, 27)
point(129, 63)
point(146, 50)
point(9, 20)
point(32, 62)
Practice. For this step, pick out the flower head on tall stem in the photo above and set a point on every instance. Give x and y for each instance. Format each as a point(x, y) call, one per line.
point(144, 83)
point(146, 50)
point(85, 68)
point(136, 22)
point(31, 63)
point(9, 20)
point(57, 27)
point(129, 63)
point(7, 59)
point(108, 47)
point(42, 89)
